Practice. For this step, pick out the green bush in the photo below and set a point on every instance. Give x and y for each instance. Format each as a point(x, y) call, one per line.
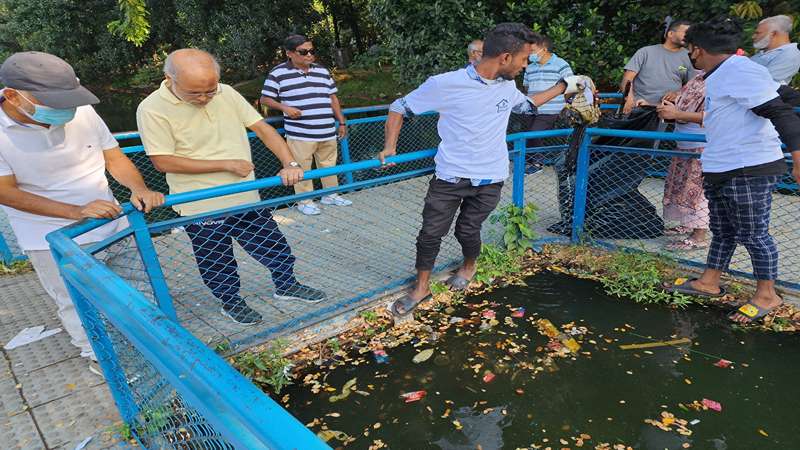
point(518, 235)
point(596, 36)
point(429, 37)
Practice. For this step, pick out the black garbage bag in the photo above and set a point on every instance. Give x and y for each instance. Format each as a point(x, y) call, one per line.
point(615, 209)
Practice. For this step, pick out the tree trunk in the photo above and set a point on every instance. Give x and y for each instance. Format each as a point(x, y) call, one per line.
point(353, 20)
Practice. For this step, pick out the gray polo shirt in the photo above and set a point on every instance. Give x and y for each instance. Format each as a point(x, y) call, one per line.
point(783, 62)
point(659, 71)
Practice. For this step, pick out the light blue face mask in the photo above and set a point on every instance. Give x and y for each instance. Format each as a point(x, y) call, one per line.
point(535, 58)
point(48, 115)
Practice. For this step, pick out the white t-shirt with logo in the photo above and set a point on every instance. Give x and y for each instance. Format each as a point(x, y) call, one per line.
point(736, 136)
point(61, 163)
point(473, 117)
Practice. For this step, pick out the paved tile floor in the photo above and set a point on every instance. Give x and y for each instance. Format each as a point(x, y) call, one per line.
point(48, 397)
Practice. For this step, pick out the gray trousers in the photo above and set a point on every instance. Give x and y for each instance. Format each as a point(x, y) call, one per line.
point(125, 263)
point(444, 199)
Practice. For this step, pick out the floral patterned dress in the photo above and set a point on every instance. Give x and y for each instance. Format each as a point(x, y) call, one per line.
point(684, 201)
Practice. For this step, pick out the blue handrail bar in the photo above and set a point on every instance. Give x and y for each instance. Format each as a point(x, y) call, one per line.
point(86, 225)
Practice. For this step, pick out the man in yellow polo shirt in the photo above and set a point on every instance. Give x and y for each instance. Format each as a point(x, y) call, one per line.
point(194, 129)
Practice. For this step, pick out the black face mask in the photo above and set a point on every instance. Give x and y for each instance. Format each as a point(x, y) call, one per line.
point(694, 61)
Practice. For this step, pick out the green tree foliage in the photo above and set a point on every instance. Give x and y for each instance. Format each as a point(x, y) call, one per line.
point(123, 42)
point(108, 40)
point(133, 25)
point(427, 37)
point(72, 29)
point(243, 34)
point(596, 36)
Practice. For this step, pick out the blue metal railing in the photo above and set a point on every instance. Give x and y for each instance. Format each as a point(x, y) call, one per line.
point(8, 256)
point(583, 179)
point(226, 402)
point(229, 404)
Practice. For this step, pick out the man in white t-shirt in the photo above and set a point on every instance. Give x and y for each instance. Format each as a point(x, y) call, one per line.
point(745, 121)
point(54, 153)
point(474, 104)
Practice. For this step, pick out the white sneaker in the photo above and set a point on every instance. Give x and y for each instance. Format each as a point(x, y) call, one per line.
point(335, 200)
point(309, 209)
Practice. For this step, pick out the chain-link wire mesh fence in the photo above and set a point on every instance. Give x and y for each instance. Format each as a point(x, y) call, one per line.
point(273, 263)
point(364, 141)
point(652, 200)
point(242, 275)
point(172, 391)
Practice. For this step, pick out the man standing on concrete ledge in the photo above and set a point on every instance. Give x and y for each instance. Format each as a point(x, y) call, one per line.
point(194, 129)
point(54, 154)
point(474, 105)
point(745, 121)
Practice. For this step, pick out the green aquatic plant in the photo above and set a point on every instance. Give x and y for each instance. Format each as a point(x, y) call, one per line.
point(268, 367)
point(369, 316)
point(334, 345)
point(495, 262)
point(518, 234)
point(639, 276)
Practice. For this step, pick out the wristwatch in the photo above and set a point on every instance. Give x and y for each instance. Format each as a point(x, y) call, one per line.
point(294, 164)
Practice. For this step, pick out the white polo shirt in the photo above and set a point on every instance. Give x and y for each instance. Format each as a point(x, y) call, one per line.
point(737, 137)
point(473, 117)
point(63, 163)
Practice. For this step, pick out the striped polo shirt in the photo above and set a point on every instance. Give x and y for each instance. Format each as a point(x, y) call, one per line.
point(309, 92)
point(541, 77)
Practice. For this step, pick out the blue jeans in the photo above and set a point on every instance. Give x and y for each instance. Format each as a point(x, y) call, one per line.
point(258, 233)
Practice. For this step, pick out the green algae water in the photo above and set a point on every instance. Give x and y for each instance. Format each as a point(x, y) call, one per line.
point(495, 382)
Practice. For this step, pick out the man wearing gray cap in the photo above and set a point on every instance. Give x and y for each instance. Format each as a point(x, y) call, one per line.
point(54, 152)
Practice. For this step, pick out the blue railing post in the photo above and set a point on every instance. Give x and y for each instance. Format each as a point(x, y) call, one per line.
point(345, 149)
point(5, 251)
point(581, 185)
point(518, 179)
point(147, 252)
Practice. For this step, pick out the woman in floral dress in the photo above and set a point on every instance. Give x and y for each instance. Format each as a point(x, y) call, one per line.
point(684, 201)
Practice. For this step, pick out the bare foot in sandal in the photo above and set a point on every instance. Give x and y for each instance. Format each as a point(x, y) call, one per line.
point(757, 308)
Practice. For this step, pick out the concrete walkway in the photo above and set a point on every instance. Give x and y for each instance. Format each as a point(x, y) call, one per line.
point(48, 397)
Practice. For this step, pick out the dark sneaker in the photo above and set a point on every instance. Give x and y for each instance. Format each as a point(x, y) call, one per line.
point(300, 292)
point(241, 313)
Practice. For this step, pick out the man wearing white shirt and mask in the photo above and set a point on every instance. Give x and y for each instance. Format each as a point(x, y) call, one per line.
point(474, 105)
point(745, 121)
point(54, 154)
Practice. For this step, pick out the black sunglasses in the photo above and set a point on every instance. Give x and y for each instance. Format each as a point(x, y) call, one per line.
point(306, 51)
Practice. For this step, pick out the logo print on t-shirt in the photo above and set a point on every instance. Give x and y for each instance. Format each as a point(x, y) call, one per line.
point(502, 105)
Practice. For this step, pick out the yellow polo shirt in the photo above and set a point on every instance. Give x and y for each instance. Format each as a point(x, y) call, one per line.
point(169, 126)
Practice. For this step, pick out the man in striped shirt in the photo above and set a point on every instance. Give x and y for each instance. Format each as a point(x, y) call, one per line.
point(544, 71)
point(306, 94)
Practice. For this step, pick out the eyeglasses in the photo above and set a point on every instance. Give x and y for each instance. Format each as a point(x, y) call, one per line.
point(203, 94)
point(306, 51)
point(193, 95)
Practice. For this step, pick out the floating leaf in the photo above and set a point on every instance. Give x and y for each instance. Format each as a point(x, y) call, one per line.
point(422, 356)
